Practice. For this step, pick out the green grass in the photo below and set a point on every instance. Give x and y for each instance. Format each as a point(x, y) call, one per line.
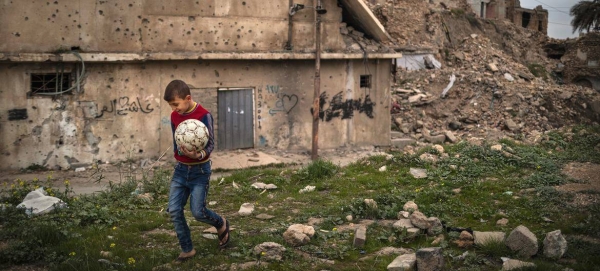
point(516, 183)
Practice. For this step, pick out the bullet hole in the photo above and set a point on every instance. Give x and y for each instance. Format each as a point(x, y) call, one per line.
point(56, 2)
point(145, 21)
point(111, 79)
point(26, 18)
point(130, 5)
point(60, 142)
point(17, 34)
point(139, 16)
point(171, 25)
point(195, 44)
point(101, 12)
point(160, 20)
point(126, 79)
point(250, 31)
point(47, 3)
point(189, 32)
point(118, 29)
point(126, 29)
point(131, 136)
point(115, 136)
point(78, 26)
point(243, 3)
point(53, 15)
point(191, 18)
point(69, 15)
point(216, 73)
point(226, 43)
point(253, 45)
point(170, 41)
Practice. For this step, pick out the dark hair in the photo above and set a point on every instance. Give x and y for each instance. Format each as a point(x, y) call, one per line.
point(176, 89)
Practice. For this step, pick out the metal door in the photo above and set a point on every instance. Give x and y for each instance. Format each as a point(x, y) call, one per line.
point(236, 119)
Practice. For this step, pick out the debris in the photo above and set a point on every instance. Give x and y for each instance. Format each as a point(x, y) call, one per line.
point(452, 78)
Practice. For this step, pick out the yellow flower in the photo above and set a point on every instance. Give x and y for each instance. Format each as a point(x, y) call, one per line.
point(36, 179)
point(334, 229)
point(67, 182)
point(263, 253)
point(72, 253)
point(36, 187)
point(114, 228)
point(112, 245)
point(131, 261)
point(12, 186)
point(21, 183)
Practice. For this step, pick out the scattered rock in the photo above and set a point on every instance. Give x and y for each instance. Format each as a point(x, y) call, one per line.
point(465, 240)
point(360, 237)
point(246, 209)
point(430, 259)
point(264, 216)
point(555, 245)
point(406, 262)
point(502, 222)
point(418, 173)
point(269, 251)
point(419, 220)
point(522, 240)
point(298, 234)
point(371, 204)
point(410, 206)
point(510, 264)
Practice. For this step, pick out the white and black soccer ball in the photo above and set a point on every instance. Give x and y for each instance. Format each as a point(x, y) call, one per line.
point(191, 134)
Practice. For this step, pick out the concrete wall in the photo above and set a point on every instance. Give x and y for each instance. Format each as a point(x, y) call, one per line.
point(159, 26)
point(119, 113)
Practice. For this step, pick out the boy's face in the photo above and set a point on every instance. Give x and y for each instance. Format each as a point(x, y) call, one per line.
point(181, 105)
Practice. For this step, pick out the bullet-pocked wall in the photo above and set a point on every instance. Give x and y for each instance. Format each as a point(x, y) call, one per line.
point(117, 112)
point(162, 26)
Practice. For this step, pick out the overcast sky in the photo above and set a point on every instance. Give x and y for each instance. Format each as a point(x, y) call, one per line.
point(559, 21)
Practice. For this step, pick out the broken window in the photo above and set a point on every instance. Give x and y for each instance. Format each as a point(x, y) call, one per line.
point(49, 83)
point(525, 20)
point(365, 81)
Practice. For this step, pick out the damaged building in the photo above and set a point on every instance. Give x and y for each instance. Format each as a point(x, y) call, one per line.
point(82, 81)
point(535, 19)
point(580, 59)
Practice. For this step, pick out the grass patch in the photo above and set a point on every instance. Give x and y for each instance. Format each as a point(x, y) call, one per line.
point(472, 187)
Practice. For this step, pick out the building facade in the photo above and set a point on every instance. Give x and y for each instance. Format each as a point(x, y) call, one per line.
point(83, 79)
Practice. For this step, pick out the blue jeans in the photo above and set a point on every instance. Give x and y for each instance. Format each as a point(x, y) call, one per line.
point(192, 182)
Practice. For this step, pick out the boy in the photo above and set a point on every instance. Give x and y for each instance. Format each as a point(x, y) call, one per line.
point(192, 173)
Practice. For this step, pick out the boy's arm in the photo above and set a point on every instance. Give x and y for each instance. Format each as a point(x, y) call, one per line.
point(175, 149)
point(210, 145)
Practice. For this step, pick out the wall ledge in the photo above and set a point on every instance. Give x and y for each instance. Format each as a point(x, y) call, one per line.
point(132, 57)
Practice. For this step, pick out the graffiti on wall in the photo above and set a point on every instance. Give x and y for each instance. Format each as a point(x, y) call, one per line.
point(344, 109)
point(17, 114)
point(284, 102)
point(259, 106)
point(124, 105)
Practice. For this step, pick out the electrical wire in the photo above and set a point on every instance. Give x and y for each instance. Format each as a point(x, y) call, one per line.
point(77, 83)
point(551, 7)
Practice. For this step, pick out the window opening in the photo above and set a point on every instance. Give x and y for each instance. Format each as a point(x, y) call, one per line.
point(365, 81)
point(49, 83)
point(526, 19)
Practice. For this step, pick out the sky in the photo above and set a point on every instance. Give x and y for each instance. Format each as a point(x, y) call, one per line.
point(559, 20)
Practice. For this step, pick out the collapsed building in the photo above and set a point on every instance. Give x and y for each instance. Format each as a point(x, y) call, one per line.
point(535, 19)
point(579, 59)
point(83, 80)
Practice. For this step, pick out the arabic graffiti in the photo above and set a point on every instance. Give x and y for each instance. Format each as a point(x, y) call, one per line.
point(125, 105)
point(338, 108)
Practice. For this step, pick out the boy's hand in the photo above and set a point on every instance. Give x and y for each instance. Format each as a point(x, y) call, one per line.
point(192, 154)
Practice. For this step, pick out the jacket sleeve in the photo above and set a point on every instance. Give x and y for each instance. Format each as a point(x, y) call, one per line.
point(210, 145)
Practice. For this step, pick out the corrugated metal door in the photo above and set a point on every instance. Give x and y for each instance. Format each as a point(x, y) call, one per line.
point(236, 120)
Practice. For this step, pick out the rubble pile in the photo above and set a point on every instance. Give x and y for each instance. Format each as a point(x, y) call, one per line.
point(491, 96)
point(496, 80)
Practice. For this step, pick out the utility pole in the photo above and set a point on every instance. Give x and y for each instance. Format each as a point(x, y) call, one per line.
point(317, 92)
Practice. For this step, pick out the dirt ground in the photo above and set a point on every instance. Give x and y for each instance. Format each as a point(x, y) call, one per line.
point(92, 180)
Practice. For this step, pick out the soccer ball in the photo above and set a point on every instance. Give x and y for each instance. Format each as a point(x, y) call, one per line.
point(191, 134)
